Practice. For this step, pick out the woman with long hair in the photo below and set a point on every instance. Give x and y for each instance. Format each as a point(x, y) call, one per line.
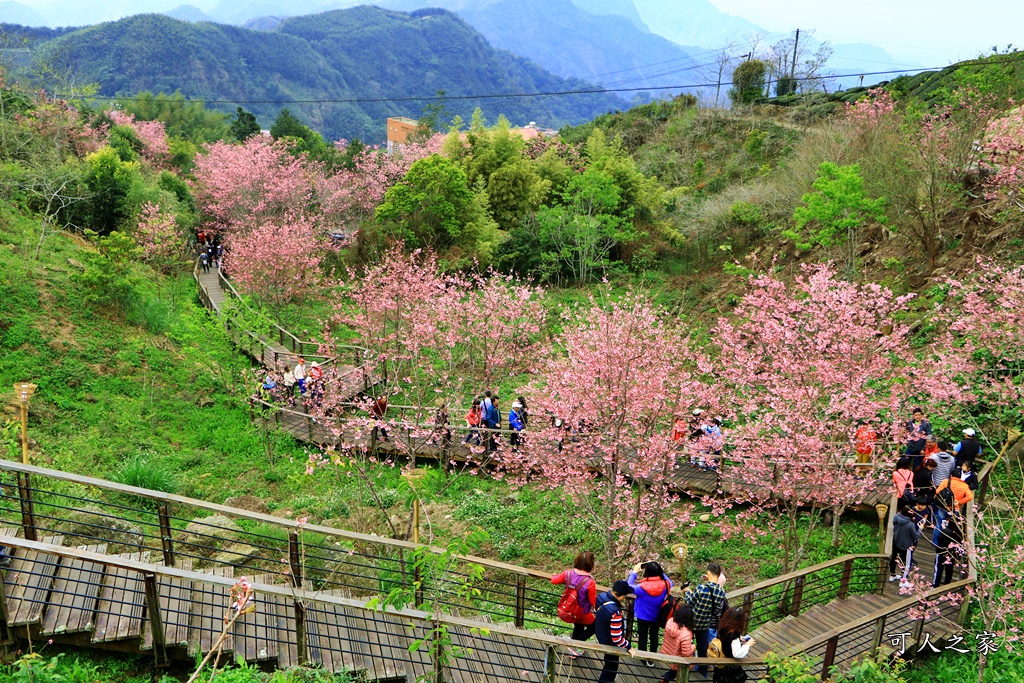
point(735, 645)
point(580, 580)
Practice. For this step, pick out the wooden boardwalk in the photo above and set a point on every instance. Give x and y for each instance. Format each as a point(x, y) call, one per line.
point(82, 596)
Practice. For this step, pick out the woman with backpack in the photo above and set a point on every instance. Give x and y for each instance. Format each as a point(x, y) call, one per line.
point(903, 479)
point(651, 593)
point(734, 644)
point(678, 638)
point(576, 606)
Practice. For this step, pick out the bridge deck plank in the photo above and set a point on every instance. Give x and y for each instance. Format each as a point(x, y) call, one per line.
point(28, 582)
point(209, 601)
point(71, 607)
point(256, 633)
point(121, 604)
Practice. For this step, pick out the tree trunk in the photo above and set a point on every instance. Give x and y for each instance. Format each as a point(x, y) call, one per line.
point(837, 513)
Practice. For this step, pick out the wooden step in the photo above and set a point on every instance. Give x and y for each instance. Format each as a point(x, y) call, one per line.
point(175, 610)
point(122, 603)
point(209, 602)
point(329, 639)
point(28, 582)
point(76, 589)
point(256, 634)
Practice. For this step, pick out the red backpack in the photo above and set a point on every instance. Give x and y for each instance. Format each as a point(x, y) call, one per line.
point(569, 608)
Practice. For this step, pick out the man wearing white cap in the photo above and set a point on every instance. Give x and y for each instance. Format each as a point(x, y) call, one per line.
point(968, 448)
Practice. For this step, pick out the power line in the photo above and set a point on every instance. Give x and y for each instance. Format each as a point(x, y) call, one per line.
point(552, 93)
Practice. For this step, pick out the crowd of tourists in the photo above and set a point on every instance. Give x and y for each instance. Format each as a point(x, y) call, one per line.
point(211, 251)
point(699, 622)
point(934, 480)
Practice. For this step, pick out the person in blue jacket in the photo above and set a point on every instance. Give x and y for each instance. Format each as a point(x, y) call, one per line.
point(515, 423)
point(651, 585)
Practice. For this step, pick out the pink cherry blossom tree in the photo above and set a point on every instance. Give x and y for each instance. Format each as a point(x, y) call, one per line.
point(350, 196)
point(436, 337)
point(152, 134)
point(238, 186)
point(160, 240)
point(804, 365)
point(278, 261)
point(615, 380)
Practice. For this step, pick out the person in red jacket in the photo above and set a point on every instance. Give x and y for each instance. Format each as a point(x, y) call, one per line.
point(586, 594)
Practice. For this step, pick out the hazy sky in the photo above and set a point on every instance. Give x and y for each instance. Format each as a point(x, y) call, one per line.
point(943, 30)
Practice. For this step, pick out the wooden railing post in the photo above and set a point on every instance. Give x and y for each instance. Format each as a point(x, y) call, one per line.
point(300, 632)
point(830, 656)
point(520, 616)
point(629, 619)
point(437, 653)
point(983, 490)
point(550, 665)
point(295, 559)
point(844, 582)
point(798, 594)
point(166, 540)
point(28, 516)
point(748, 605)
point(876, 639)
point(156, 624)
point(918, 631)
point(6, 635)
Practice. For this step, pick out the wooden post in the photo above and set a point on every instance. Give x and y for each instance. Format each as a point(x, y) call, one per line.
point(300, 632)
point(156, 624)
point(830, 656)
point(748, 604)
point(844, 582)
point(166, 540)
point(918, 630)
point(798, 594)
point(550, 665)
point(6, 634)
point(24, 432)
point(520, 617)
point(983, 490)
point(28, 517)
point(629, 619)
point(437, 653)
point(876, 639)
point(294, 559)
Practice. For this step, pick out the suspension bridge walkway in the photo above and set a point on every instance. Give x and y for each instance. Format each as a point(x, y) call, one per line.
point(104, 565)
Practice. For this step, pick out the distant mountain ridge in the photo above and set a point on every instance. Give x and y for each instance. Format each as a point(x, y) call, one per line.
point(365, 53)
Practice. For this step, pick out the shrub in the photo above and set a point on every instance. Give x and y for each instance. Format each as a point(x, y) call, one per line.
point(147, 471)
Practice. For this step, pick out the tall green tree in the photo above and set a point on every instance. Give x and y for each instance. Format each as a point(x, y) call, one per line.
point(748, 82)
point(109, 181)
point(431, 206)
point(580, 234)
point(244, 125)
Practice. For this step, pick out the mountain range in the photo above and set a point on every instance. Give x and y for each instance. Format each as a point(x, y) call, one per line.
point(357, 59)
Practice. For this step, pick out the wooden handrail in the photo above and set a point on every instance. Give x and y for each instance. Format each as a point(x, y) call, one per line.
point(257, 516)
point(786, 578)
point(905, 604)
point(124, 562)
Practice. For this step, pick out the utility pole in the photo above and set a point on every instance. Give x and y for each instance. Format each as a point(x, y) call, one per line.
point(792, 71)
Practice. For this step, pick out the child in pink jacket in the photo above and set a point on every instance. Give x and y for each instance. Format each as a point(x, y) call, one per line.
point(678, 638)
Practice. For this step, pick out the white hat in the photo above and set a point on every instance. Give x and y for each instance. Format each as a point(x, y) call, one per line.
point(517, 404)
point(697, 411)
point(315, 364)
point(969, 432)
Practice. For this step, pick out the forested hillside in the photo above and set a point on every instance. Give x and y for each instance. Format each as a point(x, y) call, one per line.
point(362, 53)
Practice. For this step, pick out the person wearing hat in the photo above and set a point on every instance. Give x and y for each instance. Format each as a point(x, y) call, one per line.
point(967, 448)
point(611, 627)
point(515, 423)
